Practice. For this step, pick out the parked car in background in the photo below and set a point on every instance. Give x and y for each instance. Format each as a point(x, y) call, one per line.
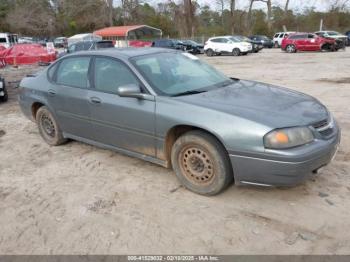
point(174, 110)
point(348, 36)
point(60, 42)
point(226, 45)
point(262, 39)
point(169, 43)
point(278, 37)
point(193, 47)
point(340, 39)
point(256, 45)
point(88, 45)
point(7, 40)
point(307, 42)
point(26, 40)
point(3, 90)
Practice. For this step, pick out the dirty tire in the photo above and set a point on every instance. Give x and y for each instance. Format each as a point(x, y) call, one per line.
point(48, 127)
point(236, 52)
point(291, 49)
point(210, 52)
point(5, 97)
point(201, 163)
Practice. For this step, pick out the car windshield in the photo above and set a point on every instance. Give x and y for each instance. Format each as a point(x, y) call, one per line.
point(190, 42)
point(173, 74)
point(333, 33)
point(235, 39)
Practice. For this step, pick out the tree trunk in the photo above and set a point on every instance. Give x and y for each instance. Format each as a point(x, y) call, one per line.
point(110, 12)
point(286, 7)
point(189, 17)
point(269, 14)
point(249, 16)
point(232, 13)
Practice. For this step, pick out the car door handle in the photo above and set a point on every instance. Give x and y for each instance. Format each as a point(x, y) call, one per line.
point(51, 92)
point(95, 100)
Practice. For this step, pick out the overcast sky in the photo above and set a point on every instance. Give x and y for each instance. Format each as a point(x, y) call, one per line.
point(297, 5)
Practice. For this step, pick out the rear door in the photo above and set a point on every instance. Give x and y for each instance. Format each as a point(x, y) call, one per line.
point(68, 95)
point(123, 122)
point(312, 42)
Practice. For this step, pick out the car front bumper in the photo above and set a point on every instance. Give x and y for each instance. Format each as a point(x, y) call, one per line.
point(284, 172)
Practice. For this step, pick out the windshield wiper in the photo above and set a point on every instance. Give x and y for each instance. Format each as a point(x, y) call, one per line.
point(191, 92)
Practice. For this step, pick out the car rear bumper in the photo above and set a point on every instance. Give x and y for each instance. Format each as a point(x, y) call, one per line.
point(263, 171)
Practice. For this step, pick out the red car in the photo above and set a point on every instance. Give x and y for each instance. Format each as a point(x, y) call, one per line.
point(307, 42)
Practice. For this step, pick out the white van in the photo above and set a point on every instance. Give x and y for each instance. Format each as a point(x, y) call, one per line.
point(7, 40)
point(278, 37)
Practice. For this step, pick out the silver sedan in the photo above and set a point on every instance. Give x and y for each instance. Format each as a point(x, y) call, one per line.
point(174, 110)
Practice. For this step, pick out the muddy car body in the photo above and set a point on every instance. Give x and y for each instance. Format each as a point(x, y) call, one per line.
point(170, 108)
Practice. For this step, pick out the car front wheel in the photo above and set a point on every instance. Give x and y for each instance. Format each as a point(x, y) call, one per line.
point(291, 49)
point(236, 52)
point(201, 163)
point(48, 127)
point(210, 52)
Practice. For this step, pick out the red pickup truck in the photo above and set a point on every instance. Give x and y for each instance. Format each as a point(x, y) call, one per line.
point(307, 42)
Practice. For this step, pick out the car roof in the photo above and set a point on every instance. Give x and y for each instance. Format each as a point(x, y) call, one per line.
point(224, 36)
point(127, 52)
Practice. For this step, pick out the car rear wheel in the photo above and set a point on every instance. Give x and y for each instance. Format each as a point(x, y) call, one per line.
point(48, 127)
point(210, 52)
point(291, 49)
point(236, 52)
point(201, 163)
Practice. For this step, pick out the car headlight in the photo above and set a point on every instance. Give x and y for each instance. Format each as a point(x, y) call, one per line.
point(288, 137)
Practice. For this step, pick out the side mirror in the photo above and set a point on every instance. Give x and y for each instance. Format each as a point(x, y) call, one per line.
point(133, 90)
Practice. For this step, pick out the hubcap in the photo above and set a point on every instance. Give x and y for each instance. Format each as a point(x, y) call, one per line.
point(48, 126)
point(196, 165)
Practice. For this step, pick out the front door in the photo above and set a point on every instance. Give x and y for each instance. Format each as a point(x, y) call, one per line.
point(123, 122)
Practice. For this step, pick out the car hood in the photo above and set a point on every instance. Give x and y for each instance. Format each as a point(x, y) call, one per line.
point(266, 104)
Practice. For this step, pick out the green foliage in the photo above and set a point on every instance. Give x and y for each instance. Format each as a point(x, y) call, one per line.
point(67, 17)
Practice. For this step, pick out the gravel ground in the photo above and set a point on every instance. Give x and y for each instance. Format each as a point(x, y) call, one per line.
point(79, 199)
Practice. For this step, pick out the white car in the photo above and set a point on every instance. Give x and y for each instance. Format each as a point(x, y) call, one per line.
point(278, 37)
point(7, 40)
point(226, 45)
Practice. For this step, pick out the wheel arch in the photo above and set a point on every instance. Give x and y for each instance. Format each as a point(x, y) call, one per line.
point(35, 107)
point(176, 131)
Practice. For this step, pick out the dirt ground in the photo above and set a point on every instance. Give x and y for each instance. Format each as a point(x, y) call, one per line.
point(79, 199)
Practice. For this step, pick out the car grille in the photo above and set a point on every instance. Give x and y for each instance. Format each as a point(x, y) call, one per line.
point(324, 127)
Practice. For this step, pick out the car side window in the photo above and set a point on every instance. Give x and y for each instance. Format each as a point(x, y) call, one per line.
point(79, 47)
point(310, 36)
point(71, 48)
point(51, 72)
point(216, 40)
point(111, 74)
point(74, 72)
point(224, 40)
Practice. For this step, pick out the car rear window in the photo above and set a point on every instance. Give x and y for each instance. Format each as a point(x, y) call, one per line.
point(3, 40)
point(74, 72)
point(105, 45)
